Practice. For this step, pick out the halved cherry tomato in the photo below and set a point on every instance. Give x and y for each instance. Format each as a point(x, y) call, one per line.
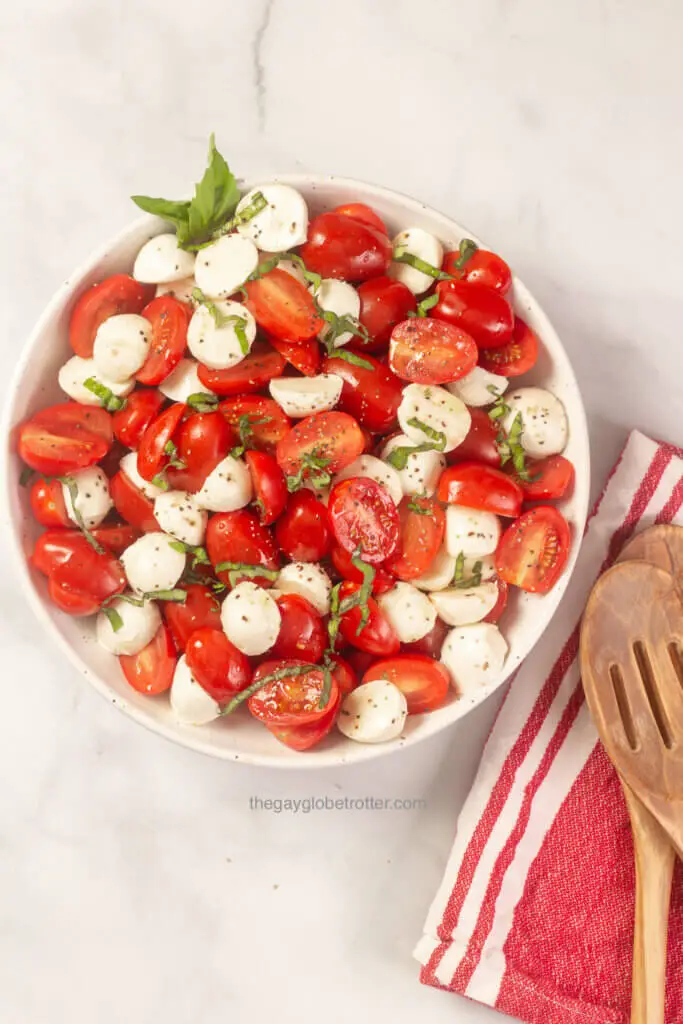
point(429, 351)
point(238, 537)
point(116, 537)
point(63, 438)
point(371, 396)
point(200, 610)
point(269, 486)
point(344, 247)
point(47, 503)
point(262, 365)
point(304, 356)
point(365, 214)
point(302, 634)
point(484, 314)
point(202, 441)
point(500, 605)
point(303, 737)
point(360, 661)
point(152, 454)
point(480, 443)
point(169, 319)
point(482, 487)
point(533, 552)
point(303, 530)
point(344, 674)
point(140, 409)
point(112, 460)
point(333, 438)
point(294, 699)
point(151, 670)
point(54, 547)
point(516, 357)
point(550, 478)
point(82, 579)
point(117, 294)
point(342, 561)
point(377, 636)
point(267, 421)
point(384, 303)
point(363, 516)
point(423, 682)
point(283, 306)
point(217, 665)
point(429, 644)
point(483, 267)
point(131, 504)
point(423, 524)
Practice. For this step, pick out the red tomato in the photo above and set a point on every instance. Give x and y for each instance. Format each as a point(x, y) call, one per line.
point(302, 634)
point(303, 530)
point(270, 487)
point(82, 579)
point(360, 661)
point(283, 306)
point(303, 737)
point(365, 214)
point(533, 552)
point(371, 396)
point(132, 421)
point(169, 319)
point(292, 700)
point(342, 561)
point(551, 478)
point(47, 503)
point(117, 294)
point(423, 681)
point(482, 267)
point(384, 303)
point(423, 524)
point(217, 665)
point(429, 351)
point(484, 314)
point(334, 437)
point(152, 455)
point(304, 356)
point(116, 537)
point(500, 605)
point(54, 547)
point(63, 438)
point(112, 460)
point(151, 670)
point(341, 246)
point(377, 637)
point(482, 487)
point(480, 443)
point(515, 358)
point(266, 434)
point(200, 610)
point(253, 373)
point(429, 644)
point(202, 441)
point(363, 515)
point(239, 537)
point(344, 674)
point(131, 504)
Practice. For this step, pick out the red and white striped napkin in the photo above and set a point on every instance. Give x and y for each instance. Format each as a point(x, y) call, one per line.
point(534, 915)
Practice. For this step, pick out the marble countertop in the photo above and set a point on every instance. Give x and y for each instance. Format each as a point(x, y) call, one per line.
point(138, 883)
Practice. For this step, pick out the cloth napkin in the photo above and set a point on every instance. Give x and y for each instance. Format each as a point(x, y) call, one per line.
point(535, 912)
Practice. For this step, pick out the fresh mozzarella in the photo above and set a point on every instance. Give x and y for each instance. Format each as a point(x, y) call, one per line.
point(483, 567)
point(180, 290)
point(409, 611)
point(251, 619)
point(219, 348)
point(129, 465)
point(227, 487)
point(304, 396)
point(161, 260)
point(309, 580)
point(436, 408)
point(280, 225)
point(139, 624)
point(121, 345)
point(422, 470)
point(440, 572)
point(427, 247)
point(373, 713)
point(289, 267)
point(183, 382)
point(190, 702)
point(339, 298)
point(479, 387)
point(374, 469)
point(73, 375)
point(152, 563)
point(470, 532)
point(179, 515)
point(460, 606)
point(544, 421)
point(93, 500)
point(224, 266)
point(474, 655)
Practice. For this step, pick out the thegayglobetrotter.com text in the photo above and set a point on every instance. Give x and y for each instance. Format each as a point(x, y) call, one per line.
point(313, 804)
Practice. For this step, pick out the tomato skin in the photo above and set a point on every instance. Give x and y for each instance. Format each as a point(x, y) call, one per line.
point(501, 604)
point(131, 504)
point(518, 356)
point(265, 435)
point(203, 440)
point(302, 634)
point(365, 214)
point(377, 637)
point(484, 314)
point(115, 537)
point(117, 294)
point(151, 670)
point(303, 737)
point(130, 423)
point(293, 700)
point(360, 661)
point(344, 247)
point(423, 681)
point(384, 303)
point(335, 436)
point(262, 365)
point(303, 530)
point(551, 478)
point(169, 319)
point(428, 351)
point(372, 396)
point(64, 438)
point(421, 534)
point(304, 356)
point(341, 560)
point(47, 503)
point(480, 443)
point(431, 643)
point(269, 486)
point(344, 674)
point(474, 485)
point(533, 551)
point(81, 579)
point(283, 306)
point(200, 610)
point(152, 458)
point(363, 515)
point(239, 537)
point(54, 547)
point(217, 665)
point(483, 267)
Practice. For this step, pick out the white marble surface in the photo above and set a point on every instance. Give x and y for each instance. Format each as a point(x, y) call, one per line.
point(136, 884)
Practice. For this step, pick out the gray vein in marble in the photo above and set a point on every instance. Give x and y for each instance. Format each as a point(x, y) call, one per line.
point(259, 70)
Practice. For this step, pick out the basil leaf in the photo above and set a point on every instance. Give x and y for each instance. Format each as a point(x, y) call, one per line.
point(72, 488)
point(108, 400)
point(401, 255)
point(437, 437)
point(174, 212)
point(280, 673)
point(114, 617)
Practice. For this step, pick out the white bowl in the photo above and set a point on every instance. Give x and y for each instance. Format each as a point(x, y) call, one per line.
point(242, 738)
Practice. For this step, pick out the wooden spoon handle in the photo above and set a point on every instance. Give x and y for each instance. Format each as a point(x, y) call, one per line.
point(654, 868)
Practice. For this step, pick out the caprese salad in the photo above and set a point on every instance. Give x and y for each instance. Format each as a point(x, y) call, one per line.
point(296, 472)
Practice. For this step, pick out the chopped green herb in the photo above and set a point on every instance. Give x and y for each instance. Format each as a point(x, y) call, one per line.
point(467, 251)
point(459, 568)
point(72, 488)
point(459, 580)
point(242, 570)
point(401, 255)
point(311, 471)
point(114, 617)
point(245, 428)
point(199, 554)
point(160, 481)
point(281, 673)
point(171, 450)
point(436, 436)
point(398, 458)
point(424, 306)
point(420, 509)
point(500, 409)
point(222, 319)
point(202, 401)
point(108, 400)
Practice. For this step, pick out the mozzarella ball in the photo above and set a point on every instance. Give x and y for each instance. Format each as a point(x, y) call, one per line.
point(227, 487)
point(179, 515)
point(342, 299)
point(162, 260)
point(121, 346)
point(282, 224)
point(73, 375)
point(251, 619)
point(373, 469)
point(309, 580)
point(474, 656)
point(129, 466)
point(544, 421)
point(420, 243)
point(225, 265)
point(190, 703)
point(470, 532)
point(460, 606)
point(183, 382)
point(409, 612)
point(479, 387)
point(422, 470)
point(93, 500)
point(436, 408)
point(152, 563)
point(219, 348)
point(374, 712)
point(304, 396)
point(180, 290)
point(139, 626)
point(440, 573)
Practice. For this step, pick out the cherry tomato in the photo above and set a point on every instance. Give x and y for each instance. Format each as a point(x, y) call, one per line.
point(131, 504)
point(479, 311)
point(304, 356)
point(344, 247)
point(344, 674)
point(533, 552)
point(130, 423)
point(333, 438)
point(429, 351)
point(342, 561)
point(267, 421)
point(550, 478)
point(515, 358)
point(169, 319)
point(217, 665)
point(482, 267)
point(476, 486)
point(500, 605)
point(371, 396)
point(112, 460)
point(363, 516)
point(269, 486)
point(423, 524)
point(303, 737)
point(283, 306)
point(47, 503)
point(360, 661)
point(116, 537)
point(377, 636)
point(294, 699)
point(200, 610)
point(423, 681)
point(302, 634)
point(239, 537)
point(202, 441)
point(152, 454)
point(262, 365)
point(384, 303)
point(117, 294)
point(54, 547)
point(83, 579)
point(151, 670)
point(480, 443)
point(429, 644)
point(303, 530)
point(365, 214)
point(64, 438)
